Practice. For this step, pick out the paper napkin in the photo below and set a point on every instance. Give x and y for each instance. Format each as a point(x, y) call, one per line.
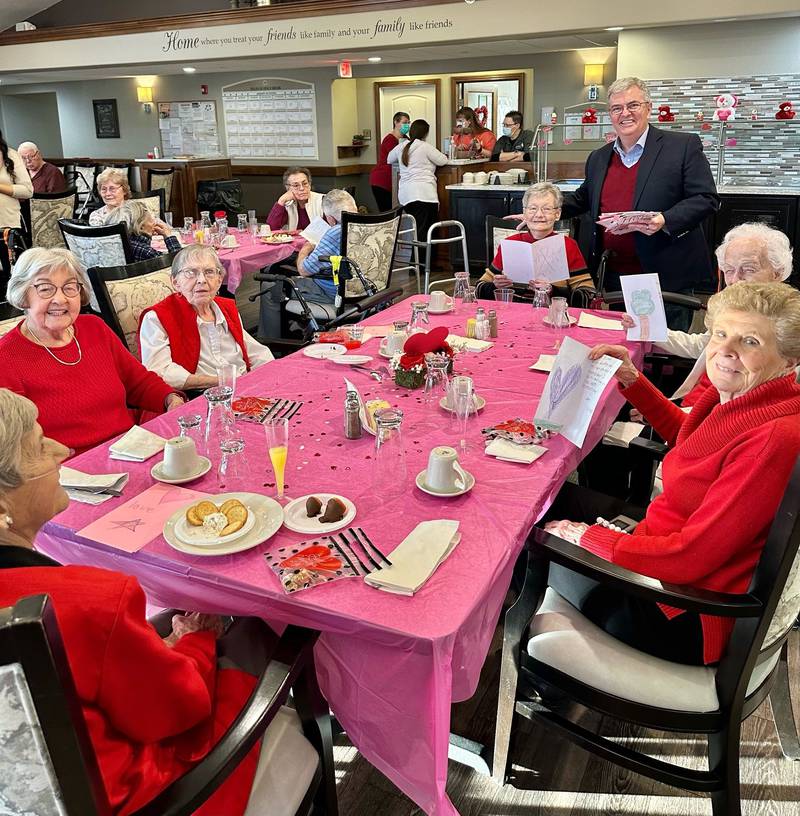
point(137, 445)
point(544, 363)
point(590, 321)
point(468, 343)
point(416, 558)
point(621, 433)
point(506, 450)
point(94, 483)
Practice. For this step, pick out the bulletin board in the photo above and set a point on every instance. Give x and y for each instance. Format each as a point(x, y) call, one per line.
point(188, 129)
point(271, 118)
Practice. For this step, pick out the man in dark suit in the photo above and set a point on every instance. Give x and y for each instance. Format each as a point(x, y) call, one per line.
point(652, 170)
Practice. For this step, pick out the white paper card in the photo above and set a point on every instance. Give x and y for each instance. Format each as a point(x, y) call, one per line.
point(550, 259)
point(644, 303)
point(517, 261)
point(315, 230)
point(590, 321)
point(573, 389)
point(544, 363)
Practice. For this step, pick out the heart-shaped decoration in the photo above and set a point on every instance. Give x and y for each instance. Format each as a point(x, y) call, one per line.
point(423, 342)
point(561, 385)
point(315, 557)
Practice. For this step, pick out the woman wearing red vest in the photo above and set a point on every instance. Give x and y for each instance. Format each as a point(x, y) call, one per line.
point(187, 336)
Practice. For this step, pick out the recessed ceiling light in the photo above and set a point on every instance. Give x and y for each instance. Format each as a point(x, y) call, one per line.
point(187, 69)
point(615, 28)
point(374, 59)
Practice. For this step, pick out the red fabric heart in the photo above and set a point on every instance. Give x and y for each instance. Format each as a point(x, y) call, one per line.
point(423, 342)
point(315, 557)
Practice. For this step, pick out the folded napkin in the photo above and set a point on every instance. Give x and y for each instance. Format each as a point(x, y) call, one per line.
point(468, 343)
point(590, 321)
point(620, 434)
point(137, 445)
point(93, 483)
point(85, 497)
point(416, 558)
point(506, 450)
point(544, 363)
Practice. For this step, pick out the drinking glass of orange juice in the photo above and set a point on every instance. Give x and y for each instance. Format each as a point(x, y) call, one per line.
point(277, 431)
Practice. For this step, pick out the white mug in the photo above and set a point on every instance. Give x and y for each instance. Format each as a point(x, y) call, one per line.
point(468, 178)
point(440, 301)
point(444, 473)
point(180, 458)
point(481, 177)
point(393, 342)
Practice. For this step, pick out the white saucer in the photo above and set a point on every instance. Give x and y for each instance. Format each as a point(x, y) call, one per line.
point(352, 359)
point(479, 403)
point(296, 518)
point(204, 465)
point(572, 321)
point(440, 494)
point(387, 354)
point(433, 311)
point(324, 351)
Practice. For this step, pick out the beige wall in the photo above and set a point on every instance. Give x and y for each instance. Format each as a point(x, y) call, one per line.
point(344, 108)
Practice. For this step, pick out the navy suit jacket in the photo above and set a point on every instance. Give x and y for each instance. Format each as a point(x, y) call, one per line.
point(673, 178)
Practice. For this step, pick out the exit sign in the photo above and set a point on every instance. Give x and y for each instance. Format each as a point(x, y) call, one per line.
point(345, 70)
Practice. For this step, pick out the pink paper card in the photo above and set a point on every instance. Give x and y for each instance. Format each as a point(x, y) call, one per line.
point(136, 523)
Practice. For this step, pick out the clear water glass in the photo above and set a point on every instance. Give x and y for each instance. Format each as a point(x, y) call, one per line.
point(462, 391)
point(191, 426)
point(241, 222)
point(356, 332)
point(461, 285)
point(252, 228)
point(205, 219)
point(437, 380)
point(390, 472)
point(232, 471)
point(559, 319)
point(251, 217)
point(541, 301)
point(504, 295)
point(469, 296)
point(219, 418)
point(419, 317)
point(226, 376)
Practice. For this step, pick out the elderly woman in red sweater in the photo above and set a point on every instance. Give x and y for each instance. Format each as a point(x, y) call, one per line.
point(724, 476)
point(71, 365)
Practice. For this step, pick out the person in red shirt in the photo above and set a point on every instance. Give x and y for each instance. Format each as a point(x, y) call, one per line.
point(380, 178)
point(470, 137)
point(724, 476)
point(71, 365)
point(541, 208)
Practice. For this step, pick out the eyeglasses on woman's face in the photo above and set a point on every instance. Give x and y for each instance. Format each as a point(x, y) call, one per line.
point(298, 185)
point(546, 211)
point(192, 274)
point(110, 188)
point(46, 291)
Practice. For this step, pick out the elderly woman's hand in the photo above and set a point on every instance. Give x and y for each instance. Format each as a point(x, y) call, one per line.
point(194, 622)
point(627, 373)
point(174, 401)
point(502, 282)
point(568, 530)
point(286, 198)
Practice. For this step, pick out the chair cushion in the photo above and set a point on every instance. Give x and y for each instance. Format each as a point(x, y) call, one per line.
point(44, 220)
point(130, 297)
point(286, 766)
point(371, 247)
point(7, 325)
point(321, 311)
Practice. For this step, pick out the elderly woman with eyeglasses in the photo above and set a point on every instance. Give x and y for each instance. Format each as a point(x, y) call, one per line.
point(70, 365)
point(187, 336)
point(112, 184)
point(299, 205)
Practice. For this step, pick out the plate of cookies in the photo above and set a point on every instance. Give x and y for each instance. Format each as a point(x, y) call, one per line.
point(318, 513)
point(223, 524)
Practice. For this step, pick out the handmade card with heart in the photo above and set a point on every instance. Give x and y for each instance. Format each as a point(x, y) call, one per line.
point(308, 564)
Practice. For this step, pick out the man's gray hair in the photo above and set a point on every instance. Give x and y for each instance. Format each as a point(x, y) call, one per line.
point(776, 245)
point(334, 202)
point(33, 262)
point(17, 418)
point(543, 188)
point(190, 254)
point(28, 146)
point(133, 213)
point(623, 84)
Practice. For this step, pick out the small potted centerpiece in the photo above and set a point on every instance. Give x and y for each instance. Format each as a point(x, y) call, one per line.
point(409, 367)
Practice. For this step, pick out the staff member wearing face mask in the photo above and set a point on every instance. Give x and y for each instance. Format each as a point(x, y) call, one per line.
point(470, 135)
point(380, 178)
point(515, 143)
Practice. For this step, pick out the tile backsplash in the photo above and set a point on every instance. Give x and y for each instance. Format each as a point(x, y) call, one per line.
point(760, 152)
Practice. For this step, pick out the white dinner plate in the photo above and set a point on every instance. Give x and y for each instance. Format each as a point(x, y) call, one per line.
point(441, 494)
point(296, 518)
point(324, 351)
point(203, 466)
point(352, 359)
point(189, 534)
point(480, 403)
point(268, 519)
point(572, 321)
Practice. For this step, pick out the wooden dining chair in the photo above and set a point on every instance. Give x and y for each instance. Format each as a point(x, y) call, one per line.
point(553, 656)
point(41, 721)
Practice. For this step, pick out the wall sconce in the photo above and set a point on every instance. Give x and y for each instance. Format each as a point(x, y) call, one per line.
point(145, 96)
point(592, 77)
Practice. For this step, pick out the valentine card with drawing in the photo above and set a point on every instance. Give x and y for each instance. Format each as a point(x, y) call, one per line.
point(572, 391)
point(309, 564)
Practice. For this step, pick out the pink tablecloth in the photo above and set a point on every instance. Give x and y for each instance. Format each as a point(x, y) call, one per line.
point(390, 665)
point(252, 256)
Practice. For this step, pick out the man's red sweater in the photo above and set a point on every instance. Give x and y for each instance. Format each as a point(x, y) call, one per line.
point(85, 404)
point(723, 481)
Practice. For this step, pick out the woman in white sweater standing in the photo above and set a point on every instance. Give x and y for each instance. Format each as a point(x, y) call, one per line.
point(417, 162)
point(15, 183)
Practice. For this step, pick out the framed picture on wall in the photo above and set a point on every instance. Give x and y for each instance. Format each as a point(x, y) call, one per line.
point(106, 120)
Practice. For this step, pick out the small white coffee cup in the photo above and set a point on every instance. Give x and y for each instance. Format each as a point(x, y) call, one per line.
point(439, 301)
point(393, 342)
point(468, 178)
point(180, 458)
point(444, 474)
point(481, 177)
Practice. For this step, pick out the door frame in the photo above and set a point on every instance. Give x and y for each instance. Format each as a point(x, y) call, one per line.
point(407, 83)
point(489, 77)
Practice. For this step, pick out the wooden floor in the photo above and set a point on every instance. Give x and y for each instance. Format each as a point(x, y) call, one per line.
point(554, 778)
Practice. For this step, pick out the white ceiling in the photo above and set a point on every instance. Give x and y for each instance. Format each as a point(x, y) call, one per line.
point(17, 11)
point(433, 53)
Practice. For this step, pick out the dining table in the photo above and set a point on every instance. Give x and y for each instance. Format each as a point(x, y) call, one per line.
point(389, 665)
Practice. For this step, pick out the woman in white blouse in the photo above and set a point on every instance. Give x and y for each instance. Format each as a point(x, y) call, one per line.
point(15, 183)
point(417, 162)
point(187, 336)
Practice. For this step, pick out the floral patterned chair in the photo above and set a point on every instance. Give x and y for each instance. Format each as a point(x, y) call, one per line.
point(46, 209)
point(153, 200)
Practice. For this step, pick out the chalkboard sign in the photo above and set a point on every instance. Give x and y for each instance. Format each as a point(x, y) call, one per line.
point(106, 120)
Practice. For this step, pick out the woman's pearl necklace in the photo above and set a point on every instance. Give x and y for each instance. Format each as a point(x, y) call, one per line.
point(63, 362)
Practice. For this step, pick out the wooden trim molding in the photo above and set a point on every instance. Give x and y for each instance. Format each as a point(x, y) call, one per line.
point(490, 77)
point(313, 8)
point(437, 93)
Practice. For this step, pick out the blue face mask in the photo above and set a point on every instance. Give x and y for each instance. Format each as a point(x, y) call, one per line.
point(506, 131)
point(404, 128)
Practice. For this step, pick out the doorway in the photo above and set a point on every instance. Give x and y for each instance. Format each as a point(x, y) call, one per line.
point(490, 96)
point(419, 99)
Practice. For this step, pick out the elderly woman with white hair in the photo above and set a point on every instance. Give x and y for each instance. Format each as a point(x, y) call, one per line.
point(114, 189)
point(141, 227)
point(187, 336)
point(81, 377)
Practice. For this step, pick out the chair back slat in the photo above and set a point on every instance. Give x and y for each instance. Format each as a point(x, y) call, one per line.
point(46, 210)
point(371, 241)
point(153, 200)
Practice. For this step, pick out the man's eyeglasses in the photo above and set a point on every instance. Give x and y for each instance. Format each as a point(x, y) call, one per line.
point(542, 210)
point(194, 274)
point(70, 289)
point(632, 107)
point(300, 185)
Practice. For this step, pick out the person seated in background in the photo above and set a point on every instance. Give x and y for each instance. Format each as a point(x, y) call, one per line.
point(470, 137)
point(541, 208)
point(515, 143)
point(141, 226)
point(112, 185)
point(153, 707)
point(321, 288)
point(299, 205)
point(725, 474)
point(46, 177)
point(72, 366)
point(187, 336)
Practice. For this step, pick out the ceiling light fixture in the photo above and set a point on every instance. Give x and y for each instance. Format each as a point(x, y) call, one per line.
point(187, 69)
point(615, 28)
point(374, 59)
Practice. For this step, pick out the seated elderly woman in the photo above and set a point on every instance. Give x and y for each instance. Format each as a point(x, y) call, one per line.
point(299, 205)
point(141, 227)
point(724, 476)
point(153, 708)
point(71, 365)
point(541, 208)
point(112, 184)
point(187, 336)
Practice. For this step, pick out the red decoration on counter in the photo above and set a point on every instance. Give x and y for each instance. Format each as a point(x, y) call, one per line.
point(665, 114)
point(482, 115)
point(785, 111)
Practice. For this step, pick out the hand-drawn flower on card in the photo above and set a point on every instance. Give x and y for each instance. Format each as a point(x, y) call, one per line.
point(562, 385)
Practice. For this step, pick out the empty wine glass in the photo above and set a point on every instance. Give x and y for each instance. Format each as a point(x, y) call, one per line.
point(419, 317)
point(462, 391)
point(241, 222)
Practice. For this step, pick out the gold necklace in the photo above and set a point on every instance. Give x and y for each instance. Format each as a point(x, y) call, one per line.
point(63, 362)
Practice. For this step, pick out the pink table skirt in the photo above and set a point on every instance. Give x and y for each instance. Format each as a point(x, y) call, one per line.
point(250, 257)
point(389, 665)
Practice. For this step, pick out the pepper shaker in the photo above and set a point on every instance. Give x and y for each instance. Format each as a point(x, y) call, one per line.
point(492, 323)
point(352, 418)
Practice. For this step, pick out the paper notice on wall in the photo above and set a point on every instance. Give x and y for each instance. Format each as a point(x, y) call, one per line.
point(645, 304)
